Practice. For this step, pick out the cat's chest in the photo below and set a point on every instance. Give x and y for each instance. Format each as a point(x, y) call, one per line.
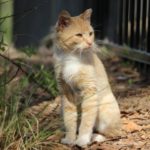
point(71, 67)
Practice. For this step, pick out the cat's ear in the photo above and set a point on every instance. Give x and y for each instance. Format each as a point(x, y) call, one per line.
point(86, 15)
point(64, 19)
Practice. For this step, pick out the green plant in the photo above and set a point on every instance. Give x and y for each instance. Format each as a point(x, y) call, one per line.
point(46, 77)
point(18, 129)
point(28, 50)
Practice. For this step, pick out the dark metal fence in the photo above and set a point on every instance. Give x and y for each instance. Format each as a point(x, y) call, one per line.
point(33, 19)
point(137, 33)
point(126, 23)
point(128, 27)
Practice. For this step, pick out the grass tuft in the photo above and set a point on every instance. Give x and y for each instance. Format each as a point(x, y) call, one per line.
point(18, 129)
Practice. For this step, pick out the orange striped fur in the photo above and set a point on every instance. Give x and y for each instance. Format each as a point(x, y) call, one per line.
point(83, 82)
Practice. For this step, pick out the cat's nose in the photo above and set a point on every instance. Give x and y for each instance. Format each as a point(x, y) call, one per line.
point(89, 44)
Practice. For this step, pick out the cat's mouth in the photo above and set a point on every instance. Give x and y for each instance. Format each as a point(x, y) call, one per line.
point(85, 50)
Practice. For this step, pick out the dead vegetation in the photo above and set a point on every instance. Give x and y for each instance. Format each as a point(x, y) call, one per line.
point(41, 123)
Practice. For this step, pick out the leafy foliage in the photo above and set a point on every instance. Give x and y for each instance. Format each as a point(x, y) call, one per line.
point(18, 129)
point(29, 50)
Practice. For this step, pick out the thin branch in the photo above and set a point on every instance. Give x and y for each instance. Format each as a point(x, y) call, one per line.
point(10, 60)
point(5, 17)
point(1, 3)
point(11, 78)
point(2, 21)
point(31, 77)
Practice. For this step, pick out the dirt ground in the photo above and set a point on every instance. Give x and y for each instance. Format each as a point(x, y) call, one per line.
point(133, 95)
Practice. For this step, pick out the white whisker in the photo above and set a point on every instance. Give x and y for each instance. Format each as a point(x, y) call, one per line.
point(81, 53)
point(74, 50)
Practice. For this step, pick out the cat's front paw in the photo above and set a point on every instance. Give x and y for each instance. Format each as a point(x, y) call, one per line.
point(83, 141)
point(67, 141)
point(98, 138)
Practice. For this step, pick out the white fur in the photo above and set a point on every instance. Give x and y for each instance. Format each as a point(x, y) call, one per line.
point(81, 46)
point(83, 140)
point(98, 138)
point(67, 141)
point(72, 66)
point(102, 126)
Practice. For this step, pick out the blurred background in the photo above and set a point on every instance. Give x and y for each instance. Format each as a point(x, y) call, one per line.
point(124, 23)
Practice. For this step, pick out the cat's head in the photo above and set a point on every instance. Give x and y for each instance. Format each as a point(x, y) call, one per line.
point(75, 33)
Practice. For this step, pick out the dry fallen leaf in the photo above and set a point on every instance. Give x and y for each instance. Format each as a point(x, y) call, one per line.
point(130, 126)
point(56, 137)
point(102, 146)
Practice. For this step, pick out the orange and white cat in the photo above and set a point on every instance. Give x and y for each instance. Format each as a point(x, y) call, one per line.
point(82, 82)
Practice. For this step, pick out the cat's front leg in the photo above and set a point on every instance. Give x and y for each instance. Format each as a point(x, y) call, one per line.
point(89, 112)
point(70, 121)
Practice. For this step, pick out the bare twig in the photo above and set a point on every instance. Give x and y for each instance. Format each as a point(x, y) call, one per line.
point(11, 78)
point(31, 77)
point(1, 3)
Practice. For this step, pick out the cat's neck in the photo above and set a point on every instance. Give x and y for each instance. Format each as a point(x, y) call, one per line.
point(85, 57)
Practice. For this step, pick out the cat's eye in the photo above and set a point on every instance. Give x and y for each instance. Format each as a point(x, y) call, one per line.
point(91, 33)
point(79, 35)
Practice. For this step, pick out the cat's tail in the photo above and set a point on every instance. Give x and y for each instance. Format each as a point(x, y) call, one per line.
point(47, 42)
point(109, 134)
point(113, 131)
